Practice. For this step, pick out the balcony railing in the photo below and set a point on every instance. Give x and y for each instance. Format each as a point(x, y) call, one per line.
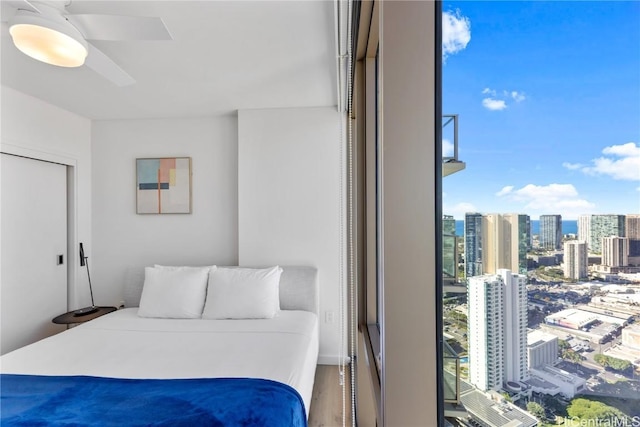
point(450, 161)
point(451, 375)
point(451, 361)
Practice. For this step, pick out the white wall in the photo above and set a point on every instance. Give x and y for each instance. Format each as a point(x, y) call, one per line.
point(289, 166)
point(36, 129)
point(123, 239)
point(289, 209)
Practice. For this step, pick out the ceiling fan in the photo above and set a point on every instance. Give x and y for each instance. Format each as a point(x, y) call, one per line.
point(45, 31)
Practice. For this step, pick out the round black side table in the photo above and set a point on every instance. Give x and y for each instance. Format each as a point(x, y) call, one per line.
point(70, 317)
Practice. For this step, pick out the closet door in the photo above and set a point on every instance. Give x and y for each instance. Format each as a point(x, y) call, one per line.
point(33, 235)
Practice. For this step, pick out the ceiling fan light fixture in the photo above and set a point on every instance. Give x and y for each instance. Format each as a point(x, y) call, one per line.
point(55, 43)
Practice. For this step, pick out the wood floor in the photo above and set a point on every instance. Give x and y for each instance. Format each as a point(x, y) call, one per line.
point(326, 400)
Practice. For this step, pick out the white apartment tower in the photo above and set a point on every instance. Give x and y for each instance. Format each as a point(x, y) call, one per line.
point(516, 316)
point(615, 251)
point(497, 330)
point(485, 332)
point(584, 228)
point(575, 259)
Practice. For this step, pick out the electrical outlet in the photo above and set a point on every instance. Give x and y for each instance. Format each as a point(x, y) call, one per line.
point(329, 317)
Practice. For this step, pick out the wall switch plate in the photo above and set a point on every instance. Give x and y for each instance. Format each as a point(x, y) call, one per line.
point(329, 317)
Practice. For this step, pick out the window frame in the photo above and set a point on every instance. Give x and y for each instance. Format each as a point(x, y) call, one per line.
point(426, 328)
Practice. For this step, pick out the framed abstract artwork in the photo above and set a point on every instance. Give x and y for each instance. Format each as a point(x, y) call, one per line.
point(163, 185)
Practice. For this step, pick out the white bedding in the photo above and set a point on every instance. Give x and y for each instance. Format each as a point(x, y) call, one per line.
point(123, 345)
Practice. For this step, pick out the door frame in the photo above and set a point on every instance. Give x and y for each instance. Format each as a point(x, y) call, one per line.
point(71, 163)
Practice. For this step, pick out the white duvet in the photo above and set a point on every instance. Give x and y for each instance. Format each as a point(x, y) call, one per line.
point(123, 345)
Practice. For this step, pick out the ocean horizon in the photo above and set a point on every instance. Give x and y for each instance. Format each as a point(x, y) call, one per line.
point(569, 226)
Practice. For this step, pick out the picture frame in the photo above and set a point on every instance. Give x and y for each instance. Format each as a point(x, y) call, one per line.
point(163, 185)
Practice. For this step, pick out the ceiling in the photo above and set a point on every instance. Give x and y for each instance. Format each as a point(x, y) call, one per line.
point(224, 56)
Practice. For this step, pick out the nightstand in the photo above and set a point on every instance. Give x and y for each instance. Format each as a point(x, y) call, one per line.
point(70, 317)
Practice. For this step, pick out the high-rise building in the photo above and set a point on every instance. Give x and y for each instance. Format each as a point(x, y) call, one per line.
point(584, 228)
point(519, 229)
point(615, 251)
point(632, 232)
point(473, 244)
point(485, 332)
point(497, 330)
point(449, 249)
point(605, 226)
point(551, 232)
point(495, 243)
point(505, 242)
point(575, 259)
point(515, 325)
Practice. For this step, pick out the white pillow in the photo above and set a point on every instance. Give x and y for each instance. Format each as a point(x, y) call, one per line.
point(174, 293)
point(243, 293)
point(177, 267)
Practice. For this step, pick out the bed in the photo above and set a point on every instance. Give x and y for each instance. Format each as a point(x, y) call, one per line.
point(125, 369)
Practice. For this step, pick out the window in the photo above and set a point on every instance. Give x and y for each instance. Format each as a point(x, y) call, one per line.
point(531, 85)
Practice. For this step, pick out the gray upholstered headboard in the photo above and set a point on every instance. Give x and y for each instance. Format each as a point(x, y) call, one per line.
point(298, 288)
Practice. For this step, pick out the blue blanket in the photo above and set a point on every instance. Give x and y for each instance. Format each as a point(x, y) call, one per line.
point(28, 400)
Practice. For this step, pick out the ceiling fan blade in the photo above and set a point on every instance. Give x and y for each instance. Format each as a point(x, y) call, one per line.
point(120, 28)
point(23, 4)
point(103, 65)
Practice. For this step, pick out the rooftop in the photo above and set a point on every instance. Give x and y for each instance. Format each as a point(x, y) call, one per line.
point(496, 414)
point(538, 337)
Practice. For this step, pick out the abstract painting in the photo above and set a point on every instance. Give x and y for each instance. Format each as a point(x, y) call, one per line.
point(163, 185)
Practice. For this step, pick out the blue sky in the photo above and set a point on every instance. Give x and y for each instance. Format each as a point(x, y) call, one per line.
point(548, 95)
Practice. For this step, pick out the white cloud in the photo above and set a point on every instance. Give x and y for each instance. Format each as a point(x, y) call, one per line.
point(627, 169)
point(498, 101)
point(447, 148)
point(505, 190)
point(572, 166)
point(622, 163)
point(494, 104)
point(517, 96)
point(456, 33)
point(630, 149)
point(554, 191)
point(561, 198)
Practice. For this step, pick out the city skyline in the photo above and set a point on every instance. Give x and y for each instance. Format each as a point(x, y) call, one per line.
point(548, 97)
